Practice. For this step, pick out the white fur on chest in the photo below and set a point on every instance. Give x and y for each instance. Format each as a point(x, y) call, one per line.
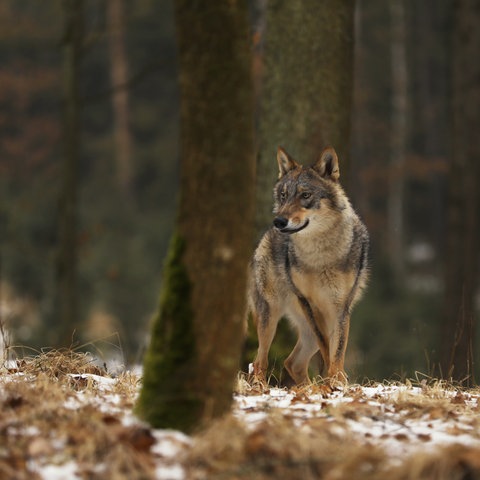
point(321, 251)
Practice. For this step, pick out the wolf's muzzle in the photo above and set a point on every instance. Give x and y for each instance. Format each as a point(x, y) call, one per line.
point(281, 223)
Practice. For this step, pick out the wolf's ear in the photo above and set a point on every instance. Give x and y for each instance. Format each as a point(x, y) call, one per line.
point(285, 162)
point(327, 164)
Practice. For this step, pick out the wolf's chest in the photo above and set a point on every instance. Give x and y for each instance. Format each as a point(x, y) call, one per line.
point(325, 285)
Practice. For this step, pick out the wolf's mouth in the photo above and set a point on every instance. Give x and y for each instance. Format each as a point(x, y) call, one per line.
point(294, 230)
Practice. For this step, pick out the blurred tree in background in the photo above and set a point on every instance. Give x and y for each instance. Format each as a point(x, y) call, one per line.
point(120, 96)
point(128, 90)
point(463, 212)
point(306, 87)
point(398, 147)
point(66, 295)
point(121, 239)
point(396, 328)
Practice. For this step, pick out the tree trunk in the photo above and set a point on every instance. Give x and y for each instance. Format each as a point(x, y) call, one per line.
point(66, 301)
point(307, 88)
point(398, 139)
point(193, 357)
point(119, 77)
point(462, 256)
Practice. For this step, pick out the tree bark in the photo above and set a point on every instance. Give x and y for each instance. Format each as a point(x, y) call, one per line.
point(67, 301)
point(462, 255)
point(120, 100)
point(197, 336)
point(307, 87)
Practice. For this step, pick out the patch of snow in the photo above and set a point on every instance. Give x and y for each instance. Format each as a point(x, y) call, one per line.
point(72, 403)
point(101, 381)
point(170, 442)
point(168, 447)
point(58, 472)
point(171, 472)
point(28, 431)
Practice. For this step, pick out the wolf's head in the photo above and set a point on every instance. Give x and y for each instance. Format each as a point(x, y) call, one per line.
point(307, 197)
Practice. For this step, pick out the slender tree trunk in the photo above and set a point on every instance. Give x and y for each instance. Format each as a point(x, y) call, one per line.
point(67, 301)
point(399, 139)
point(193, 357)
point(462, 256)
point(120, 97)
point(429, 99)
point(307, 88)
point(4, 335)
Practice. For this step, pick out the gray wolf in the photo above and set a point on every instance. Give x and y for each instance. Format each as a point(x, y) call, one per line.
point(310, 266)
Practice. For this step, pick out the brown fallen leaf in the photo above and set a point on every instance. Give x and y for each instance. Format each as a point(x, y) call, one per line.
point(424, 437)
point(14, 402)
point(459, 399)
point(109, 419)
point(140, 438)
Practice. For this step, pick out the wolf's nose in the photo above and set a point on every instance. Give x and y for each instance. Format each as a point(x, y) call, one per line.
point(280, 222)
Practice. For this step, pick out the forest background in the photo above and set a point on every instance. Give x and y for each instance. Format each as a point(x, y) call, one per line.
point(396, 173)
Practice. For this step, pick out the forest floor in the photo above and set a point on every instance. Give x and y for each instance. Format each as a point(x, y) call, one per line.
point(61, 417)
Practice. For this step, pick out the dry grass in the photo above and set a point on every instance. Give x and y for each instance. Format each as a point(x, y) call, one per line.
point(278, 448)
point(56, 364)
point(54, 409)
point(43, 422)
point(290, 444)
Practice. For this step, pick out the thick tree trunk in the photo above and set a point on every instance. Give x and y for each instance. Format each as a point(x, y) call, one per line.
point(462, 256)
point(194, 353)
point(120, 101)
point(66, 302)
point(307, 88)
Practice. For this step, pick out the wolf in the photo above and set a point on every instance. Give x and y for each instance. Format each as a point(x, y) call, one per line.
point(310, 266)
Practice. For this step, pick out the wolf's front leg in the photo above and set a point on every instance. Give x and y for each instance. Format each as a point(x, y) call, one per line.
point(338, 346)
point(266, 328)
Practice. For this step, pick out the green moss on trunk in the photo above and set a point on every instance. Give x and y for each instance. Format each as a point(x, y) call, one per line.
point(163, 401)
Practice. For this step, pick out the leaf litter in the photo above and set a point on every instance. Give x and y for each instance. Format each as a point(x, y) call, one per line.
point(63, 417)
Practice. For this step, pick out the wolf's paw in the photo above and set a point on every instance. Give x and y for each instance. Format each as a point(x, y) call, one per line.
point(337, 379)
point(256, 376)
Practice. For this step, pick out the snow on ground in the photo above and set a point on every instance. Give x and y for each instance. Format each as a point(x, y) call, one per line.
point(396, 417)
point(386, 415)
point(401, 419)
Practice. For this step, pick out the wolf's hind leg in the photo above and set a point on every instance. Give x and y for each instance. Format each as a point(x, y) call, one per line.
point(298, 361)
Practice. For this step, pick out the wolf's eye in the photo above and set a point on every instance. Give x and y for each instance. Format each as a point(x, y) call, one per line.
point(306, 195)
point(283, 196)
